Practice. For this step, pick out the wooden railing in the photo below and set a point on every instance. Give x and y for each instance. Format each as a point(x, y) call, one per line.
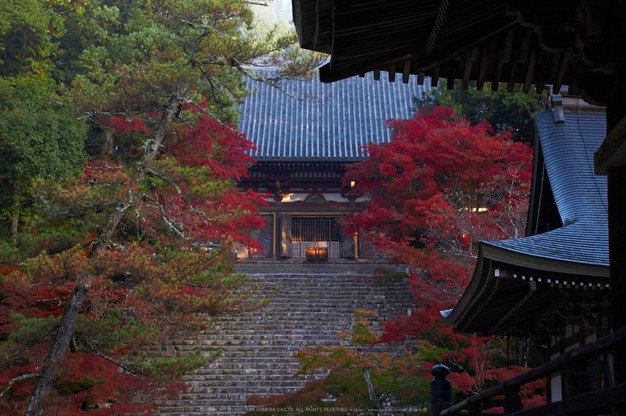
point(578, 397)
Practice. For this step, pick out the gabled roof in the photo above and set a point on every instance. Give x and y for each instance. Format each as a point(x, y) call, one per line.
point(580, 195)
point(525, 273)
point(330, 123)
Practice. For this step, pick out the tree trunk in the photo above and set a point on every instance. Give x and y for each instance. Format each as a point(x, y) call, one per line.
point(15, 211)
point(367, 375)
point(48, 373)
point(107, 149)
point(152, 147)
point(15, 217)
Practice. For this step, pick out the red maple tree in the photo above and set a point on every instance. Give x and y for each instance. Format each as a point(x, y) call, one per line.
point(435, 190)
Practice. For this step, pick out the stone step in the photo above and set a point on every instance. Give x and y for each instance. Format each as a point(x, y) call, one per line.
point(314, 303)
point(349, 267)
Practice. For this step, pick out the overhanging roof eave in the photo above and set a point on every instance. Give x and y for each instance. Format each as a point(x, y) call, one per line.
point(544, 264)
point(482, 286)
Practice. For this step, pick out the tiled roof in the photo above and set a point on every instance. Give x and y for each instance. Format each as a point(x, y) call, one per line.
point(580, 195)
point(331, 123)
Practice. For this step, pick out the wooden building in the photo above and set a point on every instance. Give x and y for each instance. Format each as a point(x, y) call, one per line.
point(553, 284)
point(303, 147)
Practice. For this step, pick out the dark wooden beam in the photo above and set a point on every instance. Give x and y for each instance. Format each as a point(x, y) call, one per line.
point(562, 71)
point(435, 76)
point(525, 46)
point(519, 304)
point(530, 72)
point(513, 77)
point(557, 58)
point(571, 341)
point(617, 249)
point(495, 83)
point(467, 71)
point(434, 31)
point(450, 83)
point(406, 71)
point(444, 59)
point(392, 73)
point(482, 71)
point(450, 69)
point(508, 46)
point(420, 78)
point(612, 152)
point(493, 49)
point(475, 53)
point(596, 402)
point(541, 79)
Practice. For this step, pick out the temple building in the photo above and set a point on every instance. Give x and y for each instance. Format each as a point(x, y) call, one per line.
point(306, 134)
point(553, 284)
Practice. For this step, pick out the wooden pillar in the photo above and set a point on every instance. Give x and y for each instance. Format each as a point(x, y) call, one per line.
point(610, 159)
point(285, 236)
point(615, 111)
point(617, 256)
point(278, 225)
point(616, 175)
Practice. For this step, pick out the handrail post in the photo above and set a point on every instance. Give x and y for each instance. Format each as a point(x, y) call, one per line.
point(440, 390)
point(577, 380)
point(512, 400)
point(473, 409)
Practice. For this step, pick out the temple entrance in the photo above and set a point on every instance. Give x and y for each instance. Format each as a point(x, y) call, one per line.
point(315, 232)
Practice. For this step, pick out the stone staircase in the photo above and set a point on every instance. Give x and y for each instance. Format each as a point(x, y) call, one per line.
point(315, 302)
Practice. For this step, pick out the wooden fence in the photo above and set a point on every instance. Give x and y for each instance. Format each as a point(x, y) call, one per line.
point(578, 399)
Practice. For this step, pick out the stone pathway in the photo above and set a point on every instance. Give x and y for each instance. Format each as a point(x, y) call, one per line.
point(312, 306)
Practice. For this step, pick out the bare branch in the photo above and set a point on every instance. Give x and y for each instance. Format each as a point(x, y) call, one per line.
point(115, 362)
point(181, 194)
point(15, 380)
point(256, 77)
point(46, 335)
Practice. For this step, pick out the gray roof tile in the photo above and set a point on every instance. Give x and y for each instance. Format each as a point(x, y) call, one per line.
point(580, 195)
point(332, 123)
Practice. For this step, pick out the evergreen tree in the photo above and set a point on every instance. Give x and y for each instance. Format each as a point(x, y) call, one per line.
point(504, 111)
